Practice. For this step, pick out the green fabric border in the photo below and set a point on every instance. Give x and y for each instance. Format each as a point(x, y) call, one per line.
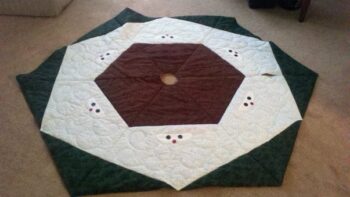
point(263, 166)
point(301, 80)
point(37, 85)
point(85, 174)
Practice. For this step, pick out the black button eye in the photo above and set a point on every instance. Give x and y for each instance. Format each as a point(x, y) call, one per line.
point(97, 111)
point(93, 104)
point(171, 37)
point(107, 53)
point(179, 136)
point(246, 104)
point(249, 98)
point(230, 51)
point(163, 36)
point(168, 137)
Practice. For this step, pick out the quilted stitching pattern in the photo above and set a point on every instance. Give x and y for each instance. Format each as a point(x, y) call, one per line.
point(105, 134)
point(134, 17)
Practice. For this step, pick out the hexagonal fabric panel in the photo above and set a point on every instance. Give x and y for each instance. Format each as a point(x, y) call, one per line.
point(142, 103)
point(169, 84)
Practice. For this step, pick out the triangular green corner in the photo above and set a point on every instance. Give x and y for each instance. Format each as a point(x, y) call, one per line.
point(274, 155)
point(263, 166)
point(289, 65)
point(37, 85)
point(301, 88)
point(301, 80)
point(85, 174)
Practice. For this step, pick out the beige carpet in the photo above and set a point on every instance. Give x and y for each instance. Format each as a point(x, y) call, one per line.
point(320, 163)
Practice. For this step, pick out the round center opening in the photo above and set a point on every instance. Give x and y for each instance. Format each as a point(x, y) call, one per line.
point(168, 79)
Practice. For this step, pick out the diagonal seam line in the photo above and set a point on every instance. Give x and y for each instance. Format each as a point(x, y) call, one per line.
point(255, 160)
point(145, 106)
point(212, 29)
point(141, 77)
point(157, 94)
point(82, 181)
point(133, 38)
point(196, 100)
point(208, 114)
point(155, 65)
point(118, 69)
point(128, 76)
point(213, 77)
point(263, 167)
point(187, 60)
point(148, 103)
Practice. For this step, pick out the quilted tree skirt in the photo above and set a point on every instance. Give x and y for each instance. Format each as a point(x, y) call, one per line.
point(143, 103)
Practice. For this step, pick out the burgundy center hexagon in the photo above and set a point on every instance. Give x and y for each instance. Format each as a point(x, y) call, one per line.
point(169, 84)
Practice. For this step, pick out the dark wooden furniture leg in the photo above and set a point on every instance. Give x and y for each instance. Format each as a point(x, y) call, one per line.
point(304, 6)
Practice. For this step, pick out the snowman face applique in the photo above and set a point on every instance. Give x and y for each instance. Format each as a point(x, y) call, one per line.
point(93, 107)
point(174, 137)
point(248, 102)
point(234, 54)
point(107, 57)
